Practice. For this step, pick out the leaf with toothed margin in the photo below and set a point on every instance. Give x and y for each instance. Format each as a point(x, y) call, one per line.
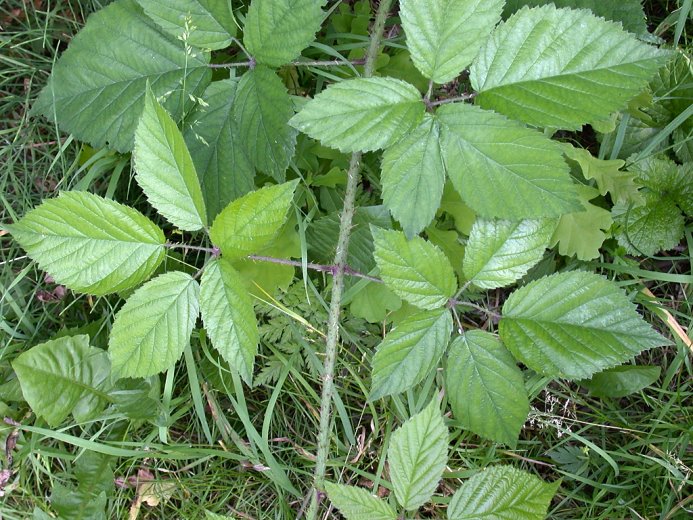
point(502, 169)
point(150, 332)
point(573, 325)
point(415, 270)
point(362, 114)
point(544, 56)
point(91, 244)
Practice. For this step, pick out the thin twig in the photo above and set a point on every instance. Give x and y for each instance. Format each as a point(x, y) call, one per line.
point(297, 63)
point(463, 97)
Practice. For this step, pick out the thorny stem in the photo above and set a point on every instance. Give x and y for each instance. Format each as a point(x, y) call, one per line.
point(463, 97)
point(338, 287)
point(297, 63)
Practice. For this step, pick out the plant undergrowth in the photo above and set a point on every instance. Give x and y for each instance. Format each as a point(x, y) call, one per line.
point(220, 446)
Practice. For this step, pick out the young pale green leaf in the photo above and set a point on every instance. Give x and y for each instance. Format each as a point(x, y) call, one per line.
point(444, 36)
point(621, 381)
point(165, 170)
point(220, 158)
point(227, 312)
point(503, 169)
point(154, 326)
point(415, 270)
point(358, 504)
point(501, 251)
point(542, 57)
point(91, 244)
point(97, 87)
point(610, 178)
point(362, 114)
point(413, 177)
point(208, 24)
point(417, 454)
point(262, 108)
point(62, 377)
point(502, 493)
point(250, 223)
point(582, 233)
point(410, 352)
point(276, 31)
point(485, 387)
point(573, 325)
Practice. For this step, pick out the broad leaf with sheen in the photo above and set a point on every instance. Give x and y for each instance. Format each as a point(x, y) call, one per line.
point(629, 13)
point(415, 270)
point(249, 224)
point(91, 244)
point(502, 493)
point(152, 329)
point(561, 68)
point(410, 352)
point(621, 381)
point(573, 325)
point(362, 114)
point(213, 139)
point(358, 504)
point(208, 24)
point(62, 377)
point(276, 31)
point(413, 177)
point(96, 90)
point(485, 387)
point(445, 35)
point(500, 252)
point(417, 455)
point(228, 315)
point(165, 170)
point(262, 108)
point(501, 168)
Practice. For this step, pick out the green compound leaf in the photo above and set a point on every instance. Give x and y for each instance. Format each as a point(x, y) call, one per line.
point(573, 325)
point(97, 87)
point(500, 252)
point(374, 302)
point(502, 493)
point(228, 315)
point(444, 36)
point(417, 454)
point(62, 377)
point(542, 57)
point(485, 387)
point(358, 504)
point(410, 352)
point(220, 158)
point(581, 234)
point(629, 12)
point(208, 24)
point(249, 224)
point(503, 169)
point(276, 31)
point(262, 109)
point(621, 381)
point(413, 177)
point(154, 326)
point(363, 114)
point(415, 270)
point(91, 244)
point(165, 170)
